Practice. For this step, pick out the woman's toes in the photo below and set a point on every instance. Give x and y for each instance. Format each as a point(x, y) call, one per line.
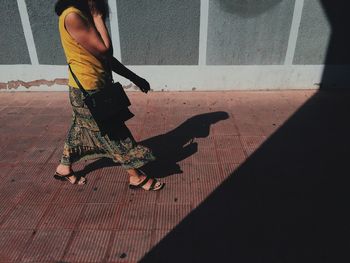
point(72, 179)
point(82, 181)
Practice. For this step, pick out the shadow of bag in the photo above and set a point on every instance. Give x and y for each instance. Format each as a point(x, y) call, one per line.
point(108, 106)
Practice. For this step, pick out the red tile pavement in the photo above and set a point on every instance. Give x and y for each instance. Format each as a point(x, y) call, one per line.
point(44, 220)
point(128, 246)
point(13, 243)
point(88, 246)
point(46, 246)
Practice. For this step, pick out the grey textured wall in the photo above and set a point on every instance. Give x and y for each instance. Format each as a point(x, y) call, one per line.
point(13, 48)
point(158, 32)
point(248, 32)
point(314, 35)
point(44, 24)
point(166, 32)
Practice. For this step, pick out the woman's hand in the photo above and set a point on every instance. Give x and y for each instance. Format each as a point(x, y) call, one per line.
point(142, 84)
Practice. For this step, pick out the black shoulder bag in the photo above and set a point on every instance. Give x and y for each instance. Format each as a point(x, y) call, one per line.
point(108, 106)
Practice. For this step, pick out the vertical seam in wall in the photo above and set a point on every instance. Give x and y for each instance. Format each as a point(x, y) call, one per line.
point(28, 34)
point(203, 32)
point(294, 31)
point(115, 28)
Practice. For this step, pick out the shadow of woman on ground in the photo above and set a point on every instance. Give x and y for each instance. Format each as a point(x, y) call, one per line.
point(178, 144)
point(171, 147)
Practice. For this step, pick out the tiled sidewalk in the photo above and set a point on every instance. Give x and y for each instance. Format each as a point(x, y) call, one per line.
point(202, 137)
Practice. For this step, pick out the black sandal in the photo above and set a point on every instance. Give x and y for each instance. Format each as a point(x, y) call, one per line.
point(61, 177)
point(151, 188)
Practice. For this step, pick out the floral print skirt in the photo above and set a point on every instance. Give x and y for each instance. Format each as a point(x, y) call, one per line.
point(84, 140)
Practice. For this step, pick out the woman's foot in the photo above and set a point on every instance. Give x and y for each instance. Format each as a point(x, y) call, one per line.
point(139, 180)
point(146, 183)
point(64, 172)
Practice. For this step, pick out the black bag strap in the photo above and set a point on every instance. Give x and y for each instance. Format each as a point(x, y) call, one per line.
point(78, 82)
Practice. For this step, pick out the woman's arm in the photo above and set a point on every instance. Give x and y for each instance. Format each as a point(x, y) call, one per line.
point(114, 64)
point(120, 69)
point(103, 31)
point(86, 35)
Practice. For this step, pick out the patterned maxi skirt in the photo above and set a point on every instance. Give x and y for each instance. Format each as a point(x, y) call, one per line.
point(84, 140)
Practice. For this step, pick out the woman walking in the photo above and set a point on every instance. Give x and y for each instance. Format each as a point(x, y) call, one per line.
point(88, 50)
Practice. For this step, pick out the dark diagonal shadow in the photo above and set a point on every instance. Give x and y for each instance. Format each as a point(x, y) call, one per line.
point(287, 203)
point(171, 147)
point(337, 71)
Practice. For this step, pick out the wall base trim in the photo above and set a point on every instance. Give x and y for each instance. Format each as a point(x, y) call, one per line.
point(187, 78)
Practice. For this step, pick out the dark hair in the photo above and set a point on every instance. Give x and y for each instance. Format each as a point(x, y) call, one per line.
point(62, 5)
point(100, 6)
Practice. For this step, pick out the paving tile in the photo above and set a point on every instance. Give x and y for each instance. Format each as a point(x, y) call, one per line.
point(244, 117)
point(33, 110)
point(41, 120)
point(88, 246)
point(100, 216)
point(147, 132)
point(199, 192)
point(73, 194)
point(21, 143)
point(226, 127)
point(231, 155)
point(13, 243)
point(14, 131)
point(58, 129)
point(228, 142)
point(24, 217)
point(206, 172)
point(50, 139)
point(25, 172)
point(108, 192)
point(268, 130)
point(47, 246)
point(61, 216)
point(45, 174)
point(250, 129)
point(140, 197)
point(178, 178)
point(13, 191)
point(169, 216)
point(10, 120)
point(203, 155)
point(32, 130)
point(5, 170)
point(206, 142)
point(10, 157)
point(56, 156)
point(229, 169)
point(38, 155)
point(136, 217)
point(13, 110)
point(176, 121)
point(39, 193)
point(4, 141)
point(130, 246)
point(252, 143)
point(5, 209)
point(158, 236)
point(135, 130)
point(175, 193)
point(113, 174)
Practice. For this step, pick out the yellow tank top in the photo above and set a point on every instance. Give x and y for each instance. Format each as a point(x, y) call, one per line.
point(88, 69)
